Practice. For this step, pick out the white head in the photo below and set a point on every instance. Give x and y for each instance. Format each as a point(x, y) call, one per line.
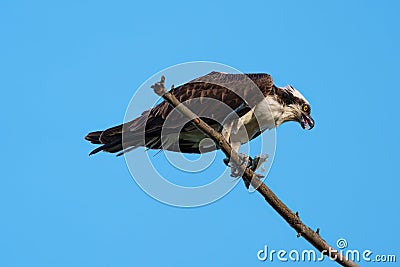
point(293, 107)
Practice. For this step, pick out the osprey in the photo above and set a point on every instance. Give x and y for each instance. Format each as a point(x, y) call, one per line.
point(249, 105)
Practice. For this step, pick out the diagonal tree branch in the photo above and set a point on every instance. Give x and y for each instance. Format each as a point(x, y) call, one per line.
point(249, 176)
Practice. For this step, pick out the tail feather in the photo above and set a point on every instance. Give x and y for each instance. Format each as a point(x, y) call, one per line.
point(111, 134)
point(110, 139)
point(111, 147)
point(94, 137)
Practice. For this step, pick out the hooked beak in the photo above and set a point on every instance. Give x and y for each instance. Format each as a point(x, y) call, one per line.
point(306, 122)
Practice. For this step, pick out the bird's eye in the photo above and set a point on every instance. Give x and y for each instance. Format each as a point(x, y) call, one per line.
point(306, 108)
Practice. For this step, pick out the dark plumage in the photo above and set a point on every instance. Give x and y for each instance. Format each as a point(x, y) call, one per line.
point(241, 92)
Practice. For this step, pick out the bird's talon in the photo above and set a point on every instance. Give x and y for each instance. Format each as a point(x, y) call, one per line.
point(226, 161)
point(258, 161)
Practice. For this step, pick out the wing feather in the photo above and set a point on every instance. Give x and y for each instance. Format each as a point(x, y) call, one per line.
point(234, 90)
point(231, 89)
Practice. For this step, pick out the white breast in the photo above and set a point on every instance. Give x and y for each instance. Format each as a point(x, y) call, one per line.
point(260, 118)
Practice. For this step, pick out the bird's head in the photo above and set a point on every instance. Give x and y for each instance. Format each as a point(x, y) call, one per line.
point(293, 107)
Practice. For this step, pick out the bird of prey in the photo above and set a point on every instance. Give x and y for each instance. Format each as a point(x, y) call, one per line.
point(248, 101)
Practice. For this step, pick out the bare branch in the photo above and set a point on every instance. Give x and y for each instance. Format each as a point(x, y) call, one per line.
point(293, 219)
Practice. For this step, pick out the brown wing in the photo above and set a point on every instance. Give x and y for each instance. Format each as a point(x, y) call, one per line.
point(234, 90)
point(239, 92)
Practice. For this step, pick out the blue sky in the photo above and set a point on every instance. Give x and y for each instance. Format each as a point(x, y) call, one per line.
point(70, 67)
